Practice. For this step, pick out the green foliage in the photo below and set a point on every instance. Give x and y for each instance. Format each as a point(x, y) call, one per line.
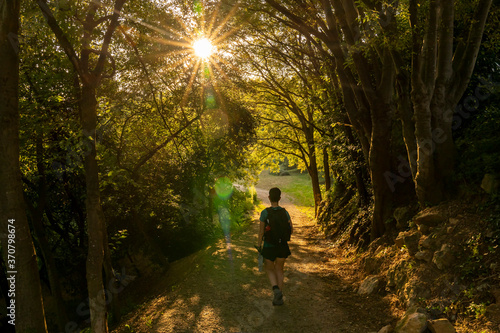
point(479, 146)
point(473, 267)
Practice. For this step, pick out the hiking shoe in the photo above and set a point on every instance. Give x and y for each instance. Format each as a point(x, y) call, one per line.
point(278, 297)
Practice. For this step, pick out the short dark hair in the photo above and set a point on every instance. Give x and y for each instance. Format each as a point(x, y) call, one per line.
point(274, 194)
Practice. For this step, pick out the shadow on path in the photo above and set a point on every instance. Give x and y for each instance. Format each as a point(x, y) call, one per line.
point(220, 290)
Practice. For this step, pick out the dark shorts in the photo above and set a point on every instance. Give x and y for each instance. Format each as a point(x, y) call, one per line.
point(273, 252)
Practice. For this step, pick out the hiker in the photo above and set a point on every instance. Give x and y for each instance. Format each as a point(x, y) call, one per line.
point(275, 229)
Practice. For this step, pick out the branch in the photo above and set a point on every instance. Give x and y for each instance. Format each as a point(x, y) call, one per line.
point(60, 36)
point(107, 37)
point(147, 156)
point(464, 63)
point(445, 56)
point(428, 70)
point(282, 151)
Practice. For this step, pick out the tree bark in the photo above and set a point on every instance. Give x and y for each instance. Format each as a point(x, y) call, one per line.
point(326, 166)
point(439, 79)
point(90, 79)
point(380, 163)
point(95, 216)
point(313, 173)
point(29, 312)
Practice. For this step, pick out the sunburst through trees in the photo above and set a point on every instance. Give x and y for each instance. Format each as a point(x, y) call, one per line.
point(195, 38)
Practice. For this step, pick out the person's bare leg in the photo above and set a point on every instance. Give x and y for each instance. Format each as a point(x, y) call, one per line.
point(279, 265)
point(271, 272)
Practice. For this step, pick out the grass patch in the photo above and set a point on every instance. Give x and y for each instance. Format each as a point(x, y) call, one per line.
point(297, 186)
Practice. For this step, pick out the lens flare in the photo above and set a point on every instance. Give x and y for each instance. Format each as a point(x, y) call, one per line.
point(223, 187)
point(203, 48)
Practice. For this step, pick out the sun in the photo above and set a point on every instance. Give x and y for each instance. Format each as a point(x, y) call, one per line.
point(203, 48)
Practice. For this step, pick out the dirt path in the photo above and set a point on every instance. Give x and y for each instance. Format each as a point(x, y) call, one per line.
point(221, 290)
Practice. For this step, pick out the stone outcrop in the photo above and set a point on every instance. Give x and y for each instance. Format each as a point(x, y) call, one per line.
point(443, 258)
point(410, 239)
point(440, 326)
point(412, 323)
point(369, 285)
point(429, 218)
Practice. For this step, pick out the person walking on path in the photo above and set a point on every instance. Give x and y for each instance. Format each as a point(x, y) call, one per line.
point(275, 230)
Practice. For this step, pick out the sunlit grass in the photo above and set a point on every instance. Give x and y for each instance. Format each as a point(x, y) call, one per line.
point(296, 186)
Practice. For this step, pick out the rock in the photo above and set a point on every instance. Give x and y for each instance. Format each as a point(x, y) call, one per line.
point(428, 243)
point(453, 221)
point(386, 329)
point(490, 183)
point(424, 229)
point(425, 255)
point(409, 239)
point(440, 326)
point(443, 258)
point(429, 218)
point(414, 323)
point(369, 285)
point(449, 230)
point(411, 242)
point(414, 291)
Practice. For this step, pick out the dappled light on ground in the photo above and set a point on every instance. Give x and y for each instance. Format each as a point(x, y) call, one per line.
point(216, 292)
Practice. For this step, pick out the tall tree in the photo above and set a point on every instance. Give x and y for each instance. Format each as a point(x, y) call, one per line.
point(286, 96)
point(441, 71)
point(91, 68)
point(366, 83)
point(19, 254)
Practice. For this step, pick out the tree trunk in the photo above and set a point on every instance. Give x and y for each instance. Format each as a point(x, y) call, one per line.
point(21, 264)
point(426, 185)
point(357, 159)
point(95, 217)
point(326, 166)
point(380, 163)
point(313, 167)
point(405, 113)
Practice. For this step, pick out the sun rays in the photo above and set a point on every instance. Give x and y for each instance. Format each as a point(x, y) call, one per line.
point(193, 45)
point(203, 48)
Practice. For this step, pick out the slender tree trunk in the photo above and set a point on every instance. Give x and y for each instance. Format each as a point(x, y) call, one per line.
point(313, 173)
point(380, 163)
point(95, 217)
point(405, 113)
point(29, 313)
point(326, 166)
point(313, 168)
